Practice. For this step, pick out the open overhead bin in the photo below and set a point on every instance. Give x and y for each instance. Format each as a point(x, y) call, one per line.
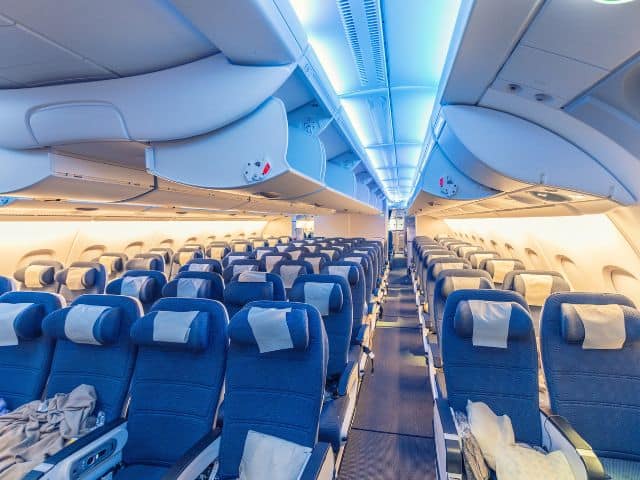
point(511, 166)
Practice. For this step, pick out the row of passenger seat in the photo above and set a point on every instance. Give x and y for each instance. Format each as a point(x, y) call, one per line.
point(339, 294)
point(486, 349)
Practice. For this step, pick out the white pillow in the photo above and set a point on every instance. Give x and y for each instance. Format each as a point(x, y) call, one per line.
point(518, 462)
point(492, 432)
point(262, 453)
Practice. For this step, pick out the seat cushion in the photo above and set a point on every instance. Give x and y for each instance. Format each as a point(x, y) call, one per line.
point(331, 420)
point(621, 469)
point(139, 472)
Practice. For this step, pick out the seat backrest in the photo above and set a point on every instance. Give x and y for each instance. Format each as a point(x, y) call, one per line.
point(590, 345)
point(283, 247)
point(331, 252)
point(535, 286)
point(202, 265)
point(353, 273)
point(480, 255)
point(272, 387)
point(331, 295)
point(217, 250)
point(434, 268)
point(262, 251)
point(239, 266)
point(317, 260)
point(178, 378)
point(373, 256)
point(269, 260)
point(25, 354)
point(6, 285)
point(184, 255)
point(146, 261)
point(113, 263)
point(289, 270)
point(81, 278)
point(248, 287)
point(231, 258)
point(93, 348)
point(39, 276)
point(365, 261)
point(167, 256)
point(490, 355)
point(284, 239)
point(145, 285)
point(448, 281)
point(272, 241)
point(498, 268)
point(258, 243)
point(429, 256)
point(464, 251)
point(195, 285)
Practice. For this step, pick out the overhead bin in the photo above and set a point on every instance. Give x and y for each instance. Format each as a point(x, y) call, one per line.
point(179, 102)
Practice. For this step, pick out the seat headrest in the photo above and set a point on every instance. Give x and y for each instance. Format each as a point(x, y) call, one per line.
point(184, 255)
point(36, 276)
point(441, 266)
point(360, 260)
point(203, 265)
point(317, 260)
point(85, 324)
point(599, 327)
point(492, 324)
point(262, 251)
point(20, 321)
point(112, 262)
point(477, 257)
point(241, 293)
point(348, 272)
point(166, 253)
point(270, 329)
point(270, 260)
point(139, 263)
point(183, 330)
point(78, 278)
point(499, 267)
point(289, 273)
point(251, 276)
point(536, 287)
point(327, 296)
point(138, 286)
point(231, 258)
point(452, 283)
point(190, 287)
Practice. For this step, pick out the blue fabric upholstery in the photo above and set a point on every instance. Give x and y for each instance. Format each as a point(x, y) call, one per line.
point(337, 323)
point(238, 294)
point(296, 252)
point(598, 391)
point(367, 266)
point(308, 268)
point(141, 472)
point(24, 367)
point(440, 295)
point(117, 262)
point(148, 291)
point(107, 367)
point(202, 265)
point(212, 288)
point(279, 293)
point(357, 286)
point(94, 280)
point(260, 251)
point(621, 469)
point(241, 246)
point(167, 256)
point(489, 265)
point(428, 257)
point(6, 285)
point(506, 379)
point(433, 268)
point(238, 266)
point(297, 325)
point(175, 391)
point(316, 260)
point(222, 249)
point(146, 261)
point(277, 393)
point(334, 412)
point(47, 278)
point(234, 257)
point(185, 254)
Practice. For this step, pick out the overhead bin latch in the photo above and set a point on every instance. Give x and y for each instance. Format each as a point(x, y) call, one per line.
point(257, 171)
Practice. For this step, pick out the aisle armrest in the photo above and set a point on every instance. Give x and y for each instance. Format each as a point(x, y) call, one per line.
point(196, 460)
point(448, 444)
point(321, 464)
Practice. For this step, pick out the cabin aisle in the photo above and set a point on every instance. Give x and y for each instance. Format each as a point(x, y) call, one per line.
point(392, 433)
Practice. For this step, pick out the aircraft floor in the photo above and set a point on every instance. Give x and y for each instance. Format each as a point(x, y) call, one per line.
point(392, 433)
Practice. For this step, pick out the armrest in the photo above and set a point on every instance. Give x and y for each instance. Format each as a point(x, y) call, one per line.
point(363, 335)
point(349, 376)
point(434, 350)
point(448, 445)
point(321, 463)
point(197, 458)
point(441, 386)
point(92, 441)
point(581, 457)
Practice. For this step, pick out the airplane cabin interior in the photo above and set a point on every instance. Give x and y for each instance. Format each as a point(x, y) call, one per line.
point(320, 239)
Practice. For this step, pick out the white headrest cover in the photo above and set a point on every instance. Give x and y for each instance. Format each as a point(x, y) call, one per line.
point(281, 248)
point(8, 314)
point(340, 270)
point(464, 250)
point(173, 327)
point(269, 327)
point(295, 254)
point(536, 287)
point(242, 268)
point(75, 276)
point(490, 323)
point(477, 258)
point(250, 276)
point(289, 273)
point(261, 253)
point(315, 263)
point(239, 247)
point(464, 283)
point(199, 267)
point(216, 253)
point(328, 252)
point(33, 274)
point(78, 326)
point(233, 258)
point(131, 286)
point(318, 294)
point(189, 287)
point(107, 261)
point(501, 268)
point(354, 259)
point(604, 327)
point(185, 257)
point(441, 267)
point(271, 260)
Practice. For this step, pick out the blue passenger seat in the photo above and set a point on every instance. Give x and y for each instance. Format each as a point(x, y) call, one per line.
point(202, 265)
point(39, 275)
point(195, 285)
point(147, 261)
point(251, 286)
point(144, 285)
point(81, 278)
